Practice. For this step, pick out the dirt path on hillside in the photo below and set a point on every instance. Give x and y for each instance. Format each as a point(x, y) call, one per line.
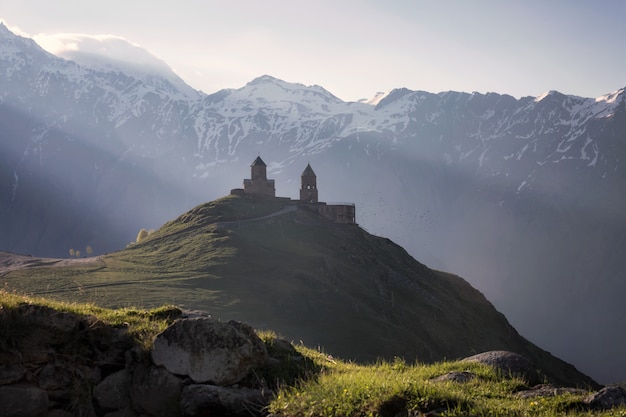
point(11, 262)
point(284, 210)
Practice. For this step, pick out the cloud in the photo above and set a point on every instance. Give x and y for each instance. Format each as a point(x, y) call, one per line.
point(97, 50)
point(110, 53)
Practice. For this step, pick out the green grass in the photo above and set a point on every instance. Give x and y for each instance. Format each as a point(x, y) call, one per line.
point(320, 385)
point(395, 388)
point(142, 324)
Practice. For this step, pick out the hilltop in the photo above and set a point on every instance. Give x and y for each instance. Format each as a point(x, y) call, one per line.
point(280, 266)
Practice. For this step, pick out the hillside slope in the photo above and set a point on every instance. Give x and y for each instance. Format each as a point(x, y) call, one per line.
point(355, 295)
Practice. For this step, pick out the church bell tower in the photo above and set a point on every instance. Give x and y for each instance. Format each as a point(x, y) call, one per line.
point(308, 190)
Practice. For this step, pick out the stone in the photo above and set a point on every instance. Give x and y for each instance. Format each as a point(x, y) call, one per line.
point(204, 400)
point(548, 390)
point(60, 322)
point(155, 391)
point(23, 400)
point(113, 393)
point(607, 398)
point(460, 377)
point(508, 364)
point(56, 376)
point(11, 373)
point(207, 350)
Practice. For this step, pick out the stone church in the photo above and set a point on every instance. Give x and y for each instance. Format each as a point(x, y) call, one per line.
point(258, 184)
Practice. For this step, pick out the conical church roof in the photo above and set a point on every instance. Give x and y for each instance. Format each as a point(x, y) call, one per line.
point(258, 162)
point(308, 171)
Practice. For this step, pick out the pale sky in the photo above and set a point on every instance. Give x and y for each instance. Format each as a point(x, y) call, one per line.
point(355, 48)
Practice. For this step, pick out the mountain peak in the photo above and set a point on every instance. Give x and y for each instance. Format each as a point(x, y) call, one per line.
point(263, 79)
point(108, 53)
point(612, 97)
point(7, 34)
point(4, 31)
point(278, 89)
point(380, 95)
point(393, 95)
point(548, 94)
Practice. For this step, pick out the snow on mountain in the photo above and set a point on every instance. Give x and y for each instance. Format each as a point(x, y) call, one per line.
point(121, 82)
point(309, 119)
point(375, 99)
point(108, 53)
point(268, 110)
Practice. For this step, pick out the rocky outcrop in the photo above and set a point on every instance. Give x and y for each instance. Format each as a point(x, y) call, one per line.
point(62, 364)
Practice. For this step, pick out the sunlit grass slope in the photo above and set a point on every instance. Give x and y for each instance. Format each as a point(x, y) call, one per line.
point(322, 385)
point(358, 296)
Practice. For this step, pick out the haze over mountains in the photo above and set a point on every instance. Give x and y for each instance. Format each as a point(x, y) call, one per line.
point(522, 197)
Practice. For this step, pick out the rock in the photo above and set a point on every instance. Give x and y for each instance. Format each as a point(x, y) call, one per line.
point(460, 377)
point(113, 392)
point(606, 398)
point(56, 376)
point(60, 322)
point(509, 364)
point(23, 400)
point(155, 391)
point(11, 373)
point(208, 350)
point(547, 390)
point(204, 400)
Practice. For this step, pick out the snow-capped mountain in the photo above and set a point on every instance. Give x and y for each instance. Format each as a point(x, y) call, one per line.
point(522, 197)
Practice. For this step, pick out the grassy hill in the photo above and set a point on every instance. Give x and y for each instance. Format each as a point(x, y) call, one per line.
point(355, 295)
point(318, 384)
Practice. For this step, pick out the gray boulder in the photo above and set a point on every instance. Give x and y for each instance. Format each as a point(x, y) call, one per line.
point(204, 400)
point(56, 376)
point(207, 350)
point(509, 364)
point(547, 390)
point(606, 398)
point(113, 392)
point(23, 400)
point(155, 391)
